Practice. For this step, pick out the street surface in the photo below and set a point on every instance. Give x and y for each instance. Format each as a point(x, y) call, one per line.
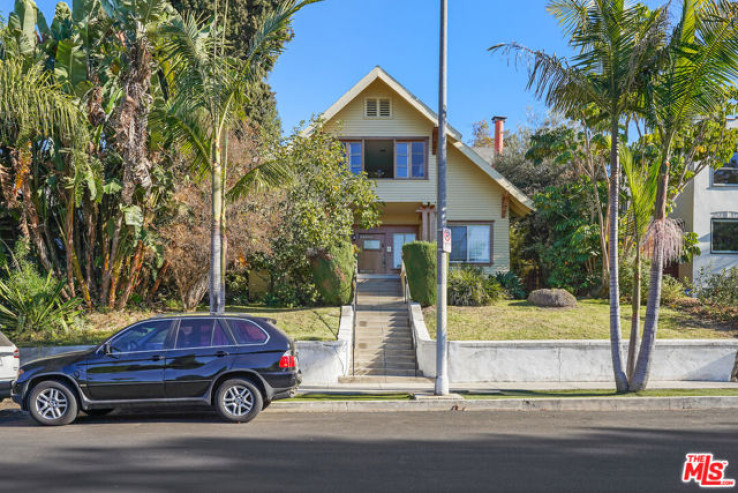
point(425, 451)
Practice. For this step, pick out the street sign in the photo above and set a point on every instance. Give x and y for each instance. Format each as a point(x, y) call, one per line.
point(447, 240)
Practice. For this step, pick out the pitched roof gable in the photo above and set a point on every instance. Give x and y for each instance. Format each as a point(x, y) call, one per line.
point(522, 204)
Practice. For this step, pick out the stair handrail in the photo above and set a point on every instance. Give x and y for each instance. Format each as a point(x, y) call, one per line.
point(353, 322)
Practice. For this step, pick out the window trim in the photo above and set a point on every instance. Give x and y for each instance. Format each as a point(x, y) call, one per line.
point(712, 235)
point(491, 225)
point(395, 140)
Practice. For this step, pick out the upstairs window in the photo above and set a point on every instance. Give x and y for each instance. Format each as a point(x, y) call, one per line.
point(388, 158)
point(378, 108)
point(728, 174)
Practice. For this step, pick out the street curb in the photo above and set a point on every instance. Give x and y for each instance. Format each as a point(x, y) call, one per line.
point(686, 403)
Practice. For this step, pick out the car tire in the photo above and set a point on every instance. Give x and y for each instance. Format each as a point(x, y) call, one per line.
point(95, 413)
point(53, 403)
point(239, 400)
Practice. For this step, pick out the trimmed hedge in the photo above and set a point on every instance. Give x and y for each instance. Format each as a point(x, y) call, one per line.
point(420, 264)
point(333, 274)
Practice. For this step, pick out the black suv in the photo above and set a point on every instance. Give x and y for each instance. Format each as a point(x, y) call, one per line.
point(236, 363)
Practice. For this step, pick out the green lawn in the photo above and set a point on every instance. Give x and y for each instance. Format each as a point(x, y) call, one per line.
point(304, 324)
point(513, 319)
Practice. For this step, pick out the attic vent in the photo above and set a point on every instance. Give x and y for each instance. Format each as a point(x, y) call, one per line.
point(378, 108)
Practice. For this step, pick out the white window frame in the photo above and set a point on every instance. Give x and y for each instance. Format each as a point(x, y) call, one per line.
point(410, 175)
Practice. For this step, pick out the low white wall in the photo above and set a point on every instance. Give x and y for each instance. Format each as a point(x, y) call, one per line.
point(568, 361)
point(322, 362)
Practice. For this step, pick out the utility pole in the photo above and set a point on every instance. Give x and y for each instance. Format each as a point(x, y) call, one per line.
point(442, 240)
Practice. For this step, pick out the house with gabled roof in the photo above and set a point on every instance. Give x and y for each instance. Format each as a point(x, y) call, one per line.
point(391, 135)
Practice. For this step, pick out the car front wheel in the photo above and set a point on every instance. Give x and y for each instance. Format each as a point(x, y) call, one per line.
point(53, 403)
point(238, 400)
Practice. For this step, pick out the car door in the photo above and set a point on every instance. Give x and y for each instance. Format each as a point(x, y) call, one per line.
point(202, 351)
point(134, 367)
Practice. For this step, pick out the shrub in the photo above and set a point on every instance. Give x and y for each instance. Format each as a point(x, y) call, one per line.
point(31, 303)
point(420, 264)
point(512, 284)
point(470, 286)
point(671, 290)
point(333, 273)
point(720, 288)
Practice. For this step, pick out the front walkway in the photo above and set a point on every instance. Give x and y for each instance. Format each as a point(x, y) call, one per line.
point(384, 342)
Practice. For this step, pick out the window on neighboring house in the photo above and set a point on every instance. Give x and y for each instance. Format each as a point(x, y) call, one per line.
point(387, 158)
point(378, 108)
point(725, 236)
point(728, 174)
point(471, 243)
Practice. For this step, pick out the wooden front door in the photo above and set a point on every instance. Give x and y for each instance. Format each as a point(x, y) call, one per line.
point(371, 253)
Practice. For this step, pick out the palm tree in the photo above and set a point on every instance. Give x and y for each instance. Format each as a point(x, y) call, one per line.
point(641, 182)
point(699, 61)
point(616, 45)
point(210, 94)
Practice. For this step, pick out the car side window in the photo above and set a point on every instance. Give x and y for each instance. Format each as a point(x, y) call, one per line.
point(248, 332)
point(195, 332)
point(146, 336)
point(220, 338)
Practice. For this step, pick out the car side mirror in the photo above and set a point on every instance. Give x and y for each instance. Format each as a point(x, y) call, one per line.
point(107, 349)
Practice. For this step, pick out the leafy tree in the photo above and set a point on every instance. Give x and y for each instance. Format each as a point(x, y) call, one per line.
point(698, 62)
point(616, 45)
point(481, 136)
point(246, 18)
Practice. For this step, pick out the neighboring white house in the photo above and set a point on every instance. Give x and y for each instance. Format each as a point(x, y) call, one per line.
point(709, 207)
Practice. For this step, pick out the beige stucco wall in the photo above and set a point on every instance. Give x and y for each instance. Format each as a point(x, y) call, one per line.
point(472, 194)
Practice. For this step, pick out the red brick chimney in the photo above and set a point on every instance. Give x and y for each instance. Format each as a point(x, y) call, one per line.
point(499, 122)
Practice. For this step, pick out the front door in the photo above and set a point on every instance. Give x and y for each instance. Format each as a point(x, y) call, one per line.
point(134, 369)
point(371, 253)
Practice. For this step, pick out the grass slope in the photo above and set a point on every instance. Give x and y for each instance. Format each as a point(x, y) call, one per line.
point(513, 320)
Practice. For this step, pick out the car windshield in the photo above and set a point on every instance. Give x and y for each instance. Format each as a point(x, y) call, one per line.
point(4, 341)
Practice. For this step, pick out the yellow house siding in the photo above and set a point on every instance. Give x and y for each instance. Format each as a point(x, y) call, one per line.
point(474, 196)
point(405, 122)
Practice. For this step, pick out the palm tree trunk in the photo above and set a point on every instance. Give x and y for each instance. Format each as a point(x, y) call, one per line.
point(621, 382)
point(643, 366)
point(216, 229)
point(635, 320)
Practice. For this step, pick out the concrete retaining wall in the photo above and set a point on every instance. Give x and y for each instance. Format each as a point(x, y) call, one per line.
point(568, 361)
point(320, 362)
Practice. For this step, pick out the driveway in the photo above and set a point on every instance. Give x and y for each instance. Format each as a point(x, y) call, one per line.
point(426, 451)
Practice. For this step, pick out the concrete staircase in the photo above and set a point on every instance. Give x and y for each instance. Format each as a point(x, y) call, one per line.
point(384, 343)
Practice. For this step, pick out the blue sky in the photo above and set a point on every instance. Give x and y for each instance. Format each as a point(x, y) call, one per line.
point(338, 41)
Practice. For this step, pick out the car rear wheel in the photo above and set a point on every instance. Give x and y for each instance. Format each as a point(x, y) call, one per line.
point(239, 400)
point(53, 403)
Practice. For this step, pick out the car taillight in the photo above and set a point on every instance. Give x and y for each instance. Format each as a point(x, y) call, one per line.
point(17, 354)
point(287, 361)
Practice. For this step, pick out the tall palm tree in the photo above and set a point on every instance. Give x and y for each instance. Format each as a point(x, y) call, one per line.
point(700, 60)
point(641, 182)
point(210, 92)
point(616, 45)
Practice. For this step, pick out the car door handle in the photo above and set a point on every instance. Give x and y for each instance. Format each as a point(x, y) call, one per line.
point(221, 354)
point(156, 357)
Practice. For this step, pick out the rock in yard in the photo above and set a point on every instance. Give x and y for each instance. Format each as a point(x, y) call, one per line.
point(552, 298)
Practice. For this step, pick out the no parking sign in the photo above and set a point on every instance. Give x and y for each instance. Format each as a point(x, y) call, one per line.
point(447, 240)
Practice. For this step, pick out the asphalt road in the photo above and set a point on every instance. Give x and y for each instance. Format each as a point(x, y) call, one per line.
point(426, 451)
